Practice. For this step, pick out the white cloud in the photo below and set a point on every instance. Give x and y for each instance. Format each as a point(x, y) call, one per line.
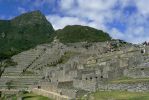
point(39, 3)
point(21, 10)
point(66, 4)
point(97, 10)
point(142, 6)
point(96, 5)
point(59, 22)
point(97, 13)
point(116, 33)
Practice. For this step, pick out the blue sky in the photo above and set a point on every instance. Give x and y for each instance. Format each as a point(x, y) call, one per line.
point(122, 19)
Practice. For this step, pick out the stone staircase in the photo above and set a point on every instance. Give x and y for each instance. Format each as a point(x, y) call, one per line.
point(26, 58)
point(17, 75)
point(49, 58)
point(19, 81)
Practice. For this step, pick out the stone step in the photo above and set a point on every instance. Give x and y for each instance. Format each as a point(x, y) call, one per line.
point(24, 61)
point(21, 77)
point(13, 69)
point(21, 87)
point(29, 56)
point(19, 83)
point(30, 81)
point(13, 73)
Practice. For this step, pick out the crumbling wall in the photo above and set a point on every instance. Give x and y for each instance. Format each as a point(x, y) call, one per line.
point(86, 84)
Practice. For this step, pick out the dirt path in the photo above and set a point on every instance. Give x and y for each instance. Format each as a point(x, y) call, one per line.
point(44, 92)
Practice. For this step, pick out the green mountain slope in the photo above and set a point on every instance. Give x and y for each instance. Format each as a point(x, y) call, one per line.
point(30, 29)
point(23, 32)
point(78, 33)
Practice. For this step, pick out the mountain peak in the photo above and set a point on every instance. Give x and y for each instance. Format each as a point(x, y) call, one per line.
point(33, 13)
point(29, 18)
point(24, 32)
point(36, 13)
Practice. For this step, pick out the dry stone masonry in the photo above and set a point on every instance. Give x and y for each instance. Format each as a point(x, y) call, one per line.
point(75, 69)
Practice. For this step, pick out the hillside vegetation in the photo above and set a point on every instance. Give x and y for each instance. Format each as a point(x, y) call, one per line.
point(78, 33)
point(23, 32)
point(30, 29)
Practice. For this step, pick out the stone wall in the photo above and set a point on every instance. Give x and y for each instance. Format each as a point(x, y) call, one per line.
point(133, 87)
point(92, 65)
point(88, 85)
point(69, 92)
point(137, 73)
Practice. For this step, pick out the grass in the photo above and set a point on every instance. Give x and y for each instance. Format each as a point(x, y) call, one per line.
point(31, 96)
point(130, 80)
point(117, 95)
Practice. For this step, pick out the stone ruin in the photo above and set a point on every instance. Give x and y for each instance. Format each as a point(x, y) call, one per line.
point(75, 69)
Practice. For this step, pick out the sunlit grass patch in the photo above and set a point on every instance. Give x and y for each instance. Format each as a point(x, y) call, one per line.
point(130, 80)
point(30, 96)
point(117, 95)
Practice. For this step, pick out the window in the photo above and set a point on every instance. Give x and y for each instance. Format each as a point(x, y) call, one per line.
point(142, 68)
point(86, 78)
point(39, 87)
point(90, 78)
point(142, 51)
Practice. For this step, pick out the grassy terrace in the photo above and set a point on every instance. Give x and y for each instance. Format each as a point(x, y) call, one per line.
point(31, 96)
point(130, 80)
point(117, 95)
